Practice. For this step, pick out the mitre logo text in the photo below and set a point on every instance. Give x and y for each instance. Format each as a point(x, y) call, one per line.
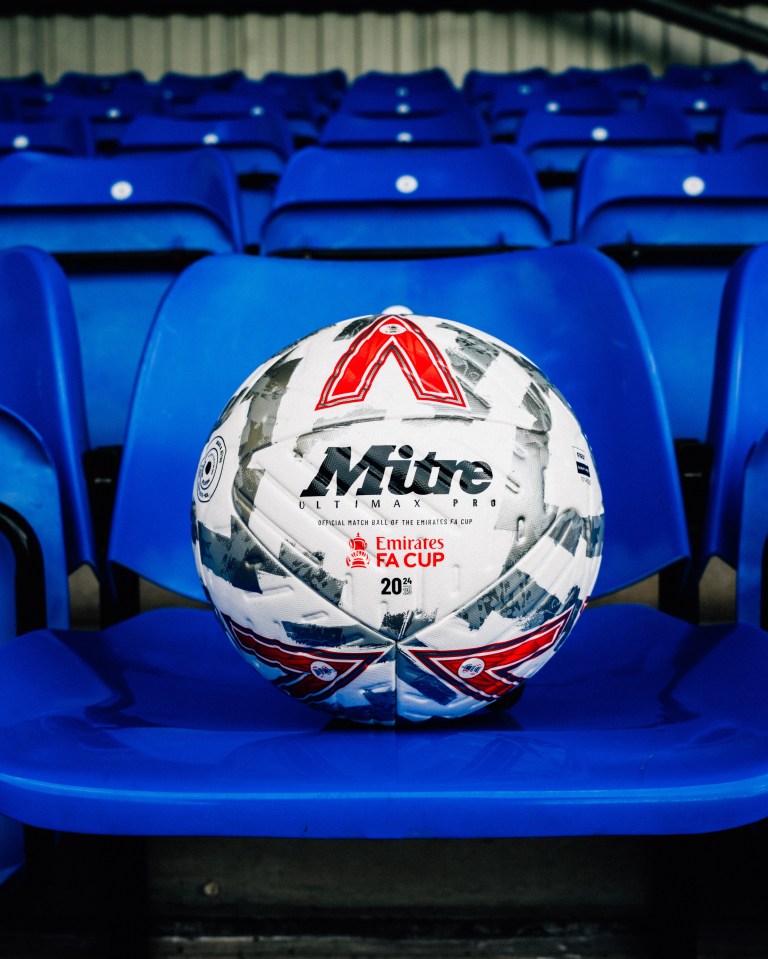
point(394, 470)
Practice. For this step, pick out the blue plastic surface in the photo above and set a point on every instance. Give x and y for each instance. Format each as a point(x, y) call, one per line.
point(68, 135)
point(689, 217)
point(513, 100)
point(434, 80)
point(739, 422)
point(111, 213)
point(741, 128)
point(401, 100)
point(557, 143)
point(641, 724)
point(338, 201)
point(456, 128)
point(41, 382)
point(29, 485)
point(704, 104)
point(256, 144)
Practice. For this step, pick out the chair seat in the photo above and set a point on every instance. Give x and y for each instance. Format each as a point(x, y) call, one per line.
point(180, 737)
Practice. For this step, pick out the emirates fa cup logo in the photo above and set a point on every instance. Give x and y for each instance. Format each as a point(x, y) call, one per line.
point(358, 558)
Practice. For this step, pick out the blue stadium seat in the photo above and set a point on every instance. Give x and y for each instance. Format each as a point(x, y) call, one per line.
point(257, 146)
point(305, 101)
point(556, 144)
point(514, 100)
point(71, 136)
point(480, 86)
point(743, 128)
point(629, 83)
point(107, 114)
point(433, 80)
point(162, 729)
point(704, 106)
point(84, 84)
point(401, 101)
point(676, 224)
point(384, 203)
point(122, 228)
point(462, 127)
point(253, 101)
point(177, 87)
point(43, 429)
point(712, 74)
point(736, 527)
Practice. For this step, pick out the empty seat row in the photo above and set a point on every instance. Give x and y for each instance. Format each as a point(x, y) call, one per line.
point(674, 223)
point(307, 102)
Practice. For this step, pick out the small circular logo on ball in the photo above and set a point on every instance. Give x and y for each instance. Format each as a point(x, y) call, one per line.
point(211, 466)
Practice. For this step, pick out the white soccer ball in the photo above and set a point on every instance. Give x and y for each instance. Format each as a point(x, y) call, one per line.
point(397, 518)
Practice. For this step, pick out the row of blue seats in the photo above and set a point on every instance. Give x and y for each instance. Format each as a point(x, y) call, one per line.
point(643, 723)
point(497, 102)
point(124, 227)
point(256, 126)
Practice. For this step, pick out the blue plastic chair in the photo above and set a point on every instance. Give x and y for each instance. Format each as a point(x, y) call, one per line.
point(514, 100)
point(257, 146)
point(741, 129)
point(384, 203)
point(43, 429)
point(402, 82)
point(402, 99)
point(557, 143)
point(303, 100)
point(629, 83)
point(71, 136)
point(462, 128)
point(177, 87)
point(162, 729)
point(107, 114)
point(253, 101)
point(480, 86)
point(676, 224)
point(736, 529)
point(704, 106)
point(122, 228)
point(85, 84)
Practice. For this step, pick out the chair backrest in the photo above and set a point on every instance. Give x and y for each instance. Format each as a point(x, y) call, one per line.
point(401, 101)
point(560, 141)
point(480, 86)
point(513, 100)
point(739, 418)
point(584, 333)
point(177, 86)
point(122, 228)
point(34, 583)
point(121, 204)
point(704, 106)
point(557, 143)
point(97, 84)
point(41, 380)
point(676, 223)
point(372, 202)
point(254, 145)
point(71, 136)
point(743, 128)
point(462, 127)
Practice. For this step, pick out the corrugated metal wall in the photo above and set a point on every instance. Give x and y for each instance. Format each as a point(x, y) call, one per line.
point(356, 42)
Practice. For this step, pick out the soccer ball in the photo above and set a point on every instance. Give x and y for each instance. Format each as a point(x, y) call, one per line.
point(397, 518)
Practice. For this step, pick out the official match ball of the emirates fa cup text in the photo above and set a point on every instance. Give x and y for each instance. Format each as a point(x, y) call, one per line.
point(397, 518)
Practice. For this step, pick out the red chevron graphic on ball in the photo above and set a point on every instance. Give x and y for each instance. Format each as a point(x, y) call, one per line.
point(310, 673)
point(486, 672)
point(422, 363)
